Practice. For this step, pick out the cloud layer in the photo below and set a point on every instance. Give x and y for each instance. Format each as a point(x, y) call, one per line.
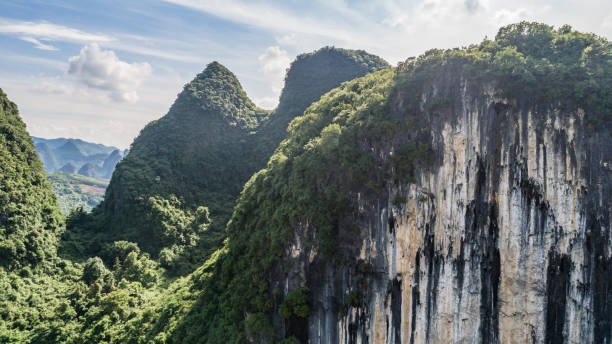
point(101, 69)
point(38, 44)
point(274, 63)
point(43, 31)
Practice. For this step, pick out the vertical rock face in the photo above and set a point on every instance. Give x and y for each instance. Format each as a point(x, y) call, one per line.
point(506, 239)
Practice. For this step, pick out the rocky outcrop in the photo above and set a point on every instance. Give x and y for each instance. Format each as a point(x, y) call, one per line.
point(506, 239)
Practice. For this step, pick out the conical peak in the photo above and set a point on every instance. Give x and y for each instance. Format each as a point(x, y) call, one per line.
point(217, 86)
point(216, 70)
point(313, 74)
point(359, 56)
point(70, 146)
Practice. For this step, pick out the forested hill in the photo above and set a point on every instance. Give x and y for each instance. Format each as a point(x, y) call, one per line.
point(309, 77)
point(195, 155)
point(209, 143)
point(29, 217)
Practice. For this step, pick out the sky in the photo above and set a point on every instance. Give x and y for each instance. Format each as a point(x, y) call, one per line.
point(101, 70)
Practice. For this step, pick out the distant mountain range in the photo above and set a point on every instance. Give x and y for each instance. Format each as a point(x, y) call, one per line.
point(78, 156)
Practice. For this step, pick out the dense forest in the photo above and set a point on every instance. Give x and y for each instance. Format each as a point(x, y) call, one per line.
point(194, 238)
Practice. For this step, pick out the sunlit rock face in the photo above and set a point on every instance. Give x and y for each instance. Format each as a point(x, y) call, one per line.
point(506, 239)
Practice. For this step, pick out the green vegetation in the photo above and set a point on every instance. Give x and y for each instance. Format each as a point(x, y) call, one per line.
point(76, 191)
point(45, 298)
point(159, 262)
point(310, 76)
point(203, 151)
point(195, 155)
point(533, 64)
point(29, 217)
point(331, 153)
point(295, 304)
point(351, 299)
point(398, 200)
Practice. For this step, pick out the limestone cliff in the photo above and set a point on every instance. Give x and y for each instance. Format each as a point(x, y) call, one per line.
point(506, 238)
point(462, 197)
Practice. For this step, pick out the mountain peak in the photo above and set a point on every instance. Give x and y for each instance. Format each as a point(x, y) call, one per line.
point(217, 84)
point(217, 91)
point(313, 74)
point(70, 150)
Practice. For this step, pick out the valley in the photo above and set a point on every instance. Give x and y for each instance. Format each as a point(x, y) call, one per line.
point(462, 195)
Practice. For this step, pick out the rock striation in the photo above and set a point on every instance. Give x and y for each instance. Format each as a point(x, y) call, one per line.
point(505, 239)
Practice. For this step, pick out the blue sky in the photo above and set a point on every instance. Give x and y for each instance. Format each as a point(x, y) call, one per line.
point(101, 70)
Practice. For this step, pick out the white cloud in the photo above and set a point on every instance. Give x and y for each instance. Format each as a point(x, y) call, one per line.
point(41, 33)
point(274, 63)
point(287, 39)
point(38, 44)
point(49, 32)
point(101, 69)
point(505, 16)
point(269, 17)
point(53, 86)
point(397, 20)
point(60, 107)
point(267, 102)
point(64, 87)
point(607, 25)
point(472, 5)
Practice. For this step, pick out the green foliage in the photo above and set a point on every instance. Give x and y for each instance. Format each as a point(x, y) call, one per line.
point(295, 304)
point(398, 200)
point(352, 298)
point(119, 250)
point(406, 159)
point(198, 151)
point(204, 149)
point(138, 268)
point(258, 325)
point(533, 63)
point(76, 191)
point(93, 270)
point(291, 340)
point(29, 217)
point(60, 301)
point(174, 225)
